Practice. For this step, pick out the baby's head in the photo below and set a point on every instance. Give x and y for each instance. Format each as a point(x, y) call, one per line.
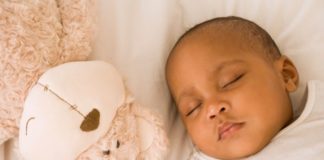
point(231, 86)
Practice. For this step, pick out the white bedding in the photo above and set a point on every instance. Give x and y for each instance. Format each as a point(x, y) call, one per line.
point(136, 36)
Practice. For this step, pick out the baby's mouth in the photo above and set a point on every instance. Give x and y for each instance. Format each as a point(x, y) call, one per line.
point(227, 129)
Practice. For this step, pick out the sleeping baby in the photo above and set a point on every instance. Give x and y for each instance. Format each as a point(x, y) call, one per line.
point(231, 86)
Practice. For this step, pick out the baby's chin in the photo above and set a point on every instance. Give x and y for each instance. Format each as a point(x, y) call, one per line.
point(231, 156)
point(236, 152)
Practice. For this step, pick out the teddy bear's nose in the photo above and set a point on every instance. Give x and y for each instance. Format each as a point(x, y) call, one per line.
point(91, 121)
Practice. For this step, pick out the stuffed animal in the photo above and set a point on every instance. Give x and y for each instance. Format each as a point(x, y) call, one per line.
point(36, 35)
point(83, 110)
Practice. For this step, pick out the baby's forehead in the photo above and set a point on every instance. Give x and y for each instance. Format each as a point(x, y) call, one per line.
point(225, 41)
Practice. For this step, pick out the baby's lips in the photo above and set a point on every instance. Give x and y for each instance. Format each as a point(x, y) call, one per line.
point(228, 127)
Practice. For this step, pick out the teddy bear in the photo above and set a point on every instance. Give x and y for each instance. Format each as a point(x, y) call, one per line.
point(83, 110)
point(36, 35)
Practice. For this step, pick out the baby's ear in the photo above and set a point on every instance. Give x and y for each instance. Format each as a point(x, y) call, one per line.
point(289, 73)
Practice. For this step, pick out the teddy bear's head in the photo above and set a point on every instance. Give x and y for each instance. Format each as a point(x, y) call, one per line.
point(82, 109)
point(70, 104)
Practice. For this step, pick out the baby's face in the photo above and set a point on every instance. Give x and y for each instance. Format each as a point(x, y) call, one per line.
point(231, 100)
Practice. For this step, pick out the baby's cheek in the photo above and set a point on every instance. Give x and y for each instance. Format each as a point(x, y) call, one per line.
point(199, 132)
point(243, 102)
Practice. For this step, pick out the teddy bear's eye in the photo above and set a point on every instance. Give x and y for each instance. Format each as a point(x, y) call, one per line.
point(107, 152)
point(118, 144)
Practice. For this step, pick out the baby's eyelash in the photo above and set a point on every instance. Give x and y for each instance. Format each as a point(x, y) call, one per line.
point(191, 111)
point(234, 80)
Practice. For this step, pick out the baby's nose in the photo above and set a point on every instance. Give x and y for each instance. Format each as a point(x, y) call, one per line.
point(216, 109)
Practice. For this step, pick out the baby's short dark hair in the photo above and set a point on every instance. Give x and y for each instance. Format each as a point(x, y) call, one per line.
point(251, 33)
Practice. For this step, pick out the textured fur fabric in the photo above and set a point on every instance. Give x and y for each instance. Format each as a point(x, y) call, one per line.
point(123, 140)
point(36, 35)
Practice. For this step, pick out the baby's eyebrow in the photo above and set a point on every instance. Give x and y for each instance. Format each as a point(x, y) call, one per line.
point(224, 64)
point(187, 93)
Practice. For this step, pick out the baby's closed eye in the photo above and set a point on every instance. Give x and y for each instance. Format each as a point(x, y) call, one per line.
point(229, 80)
point(193, 107)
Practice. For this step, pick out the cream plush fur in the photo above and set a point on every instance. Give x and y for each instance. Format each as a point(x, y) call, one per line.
point(36, 35)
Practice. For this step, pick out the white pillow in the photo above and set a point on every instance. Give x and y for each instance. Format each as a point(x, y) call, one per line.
point(138, 36)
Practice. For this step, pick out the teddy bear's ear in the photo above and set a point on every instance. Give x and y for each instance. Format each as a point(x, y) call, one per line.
point(69, 109)
point(29, 45)
point(36, 36)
